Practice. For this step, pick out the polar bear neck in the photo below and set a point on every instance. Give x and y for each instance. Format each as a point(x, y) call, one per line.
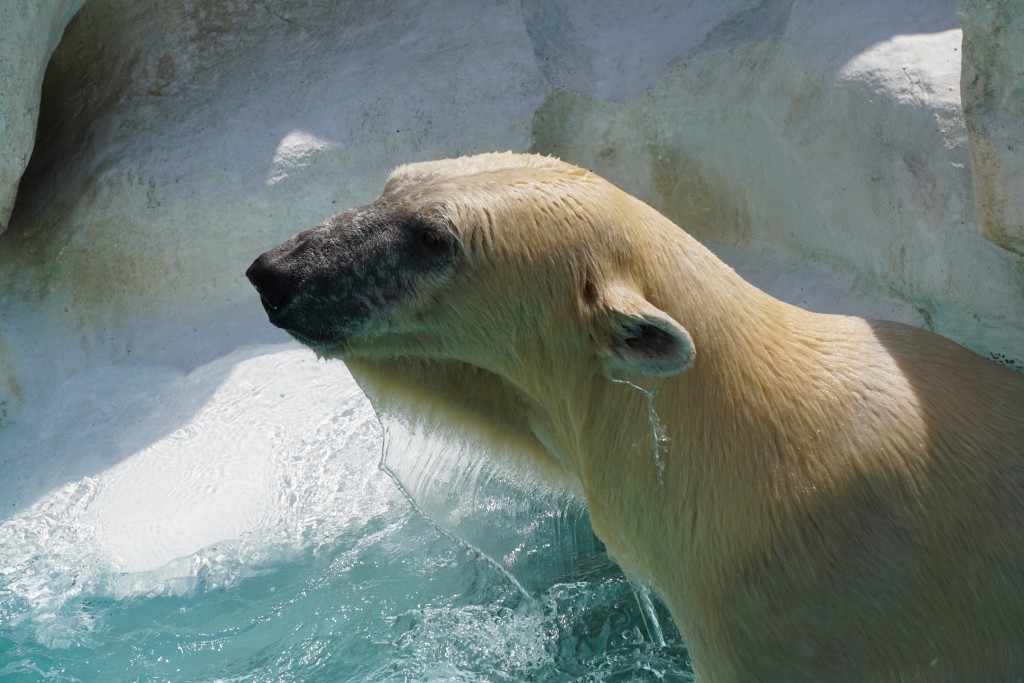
point(765, 371)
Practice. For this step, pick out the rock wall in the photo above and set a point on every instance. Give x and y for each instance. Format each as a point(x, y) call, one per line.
point(832, 130)
point(992, 82)
point(818, 144)
point(29, 33)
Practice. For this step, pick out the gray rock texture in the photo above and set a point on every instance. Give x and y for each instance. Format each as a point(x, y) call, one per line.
point(992, 87)
point(819, 145)
point(29, 33)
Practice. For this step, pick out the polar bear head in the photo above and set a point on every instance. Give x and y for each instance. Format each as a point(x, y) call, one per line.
point(494, 286)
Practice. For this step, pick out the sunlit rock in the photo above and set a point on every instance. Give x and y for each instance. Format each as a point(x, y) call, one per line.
point(176, 141)
point(992, 86)
point(830, 130)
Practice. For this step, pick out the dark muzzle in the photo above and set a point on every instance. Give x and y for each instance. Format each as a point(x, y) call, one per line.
point(272, 286)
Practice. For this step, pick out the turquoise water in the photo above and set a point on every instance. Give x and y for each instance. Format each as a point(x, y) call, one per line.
point(397, 603)
point(450, 571)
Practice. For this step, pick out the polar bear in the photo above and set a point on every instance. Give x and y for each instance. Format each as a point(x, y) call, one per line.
point(815, 497)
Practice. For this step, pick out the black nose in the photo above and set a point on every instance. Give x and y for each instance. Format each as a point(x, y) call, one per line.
point(269, 282)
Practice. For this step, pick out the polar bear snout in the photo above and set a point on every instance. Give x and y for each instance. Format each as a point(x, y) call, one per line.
point(297, 289)
point(352, 271)
point(268, 282)
point(280, 279)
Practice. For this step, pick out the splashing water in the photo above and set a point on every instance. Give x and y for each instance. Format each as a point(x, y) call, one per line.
point(231, 523)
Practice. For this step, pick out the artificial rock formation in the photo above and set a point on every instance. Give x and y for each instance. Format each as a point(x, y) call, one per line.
point(992, 87)
point(31, 31)
point(178, 140)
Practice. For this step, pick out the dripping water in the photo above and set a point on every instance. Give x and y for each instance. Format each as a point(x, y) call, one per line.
point(658, 431)
point(459, 542)
point(650, 616)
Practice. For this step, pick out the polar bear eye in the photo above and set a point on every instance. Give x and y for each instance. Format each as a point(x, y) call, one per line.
point(429, 237)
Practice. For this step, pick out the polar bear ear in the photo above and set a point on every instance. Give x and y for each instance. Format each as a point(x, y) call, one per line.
point(641, 338)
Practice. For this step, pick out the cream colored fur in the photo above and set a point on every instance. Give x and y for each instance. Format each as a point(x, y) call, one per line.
point(842, 499)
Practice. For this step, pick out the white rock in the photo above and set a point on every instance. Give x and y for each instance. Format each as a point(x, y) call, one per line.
point(185, 139)
point(830, 129)
point(993, 93)
point(29, 33)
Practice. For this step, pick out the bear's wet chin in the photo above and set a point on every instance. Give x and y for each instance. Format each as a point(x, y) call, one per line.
point(314, 343)
point(318, 338)
point(313, 325)
point(323, 343)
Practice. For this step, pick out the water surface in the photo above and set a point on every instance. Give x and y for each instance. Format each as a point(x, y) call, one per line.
point(233, 523)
